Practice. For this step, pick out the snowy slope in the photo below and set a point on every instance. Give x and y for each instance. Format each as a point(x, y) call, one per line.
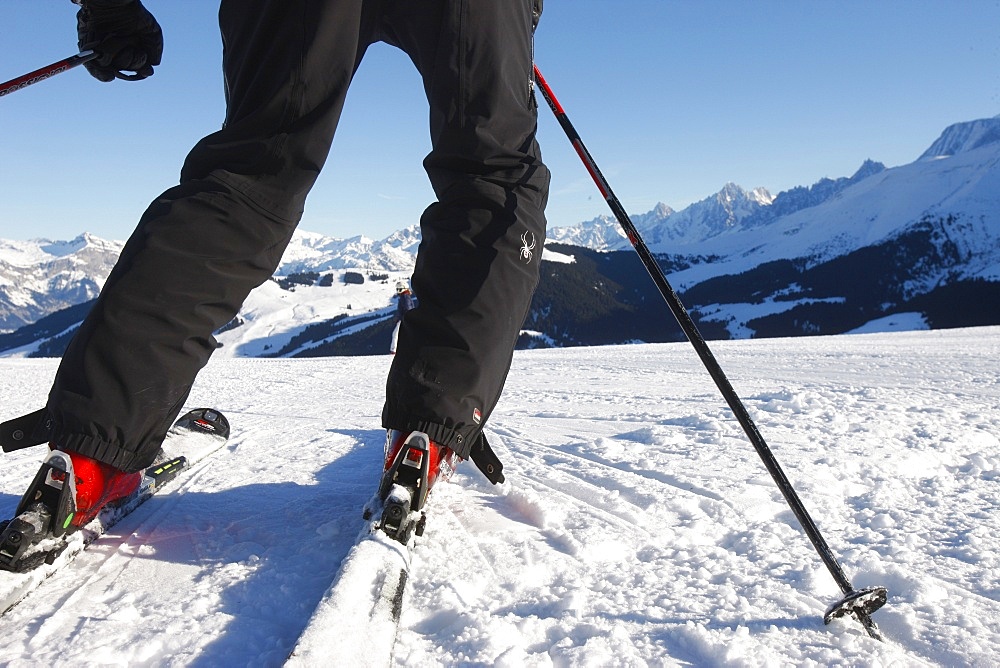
point(271, 316)
point(636, 526)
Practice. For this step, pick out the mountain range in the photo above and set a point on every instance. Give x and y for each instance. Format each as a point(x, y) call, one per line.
point(40, 277)
point(913, 246)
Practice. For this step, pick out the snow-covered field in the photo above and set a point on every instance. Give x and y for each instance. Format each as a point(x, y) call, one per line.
point(637, 525)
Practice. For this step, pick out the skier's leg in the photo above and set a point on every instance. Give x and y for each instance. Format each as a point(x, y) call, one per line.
point(202, 246)
point(478, 262)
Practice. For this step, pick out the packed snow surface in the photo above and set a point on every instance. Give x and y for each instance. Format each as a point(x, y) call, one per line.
point(637, 525)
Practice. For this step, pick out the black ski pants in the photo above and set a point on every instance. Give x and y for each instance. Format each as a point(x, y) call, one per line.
point(202, 246)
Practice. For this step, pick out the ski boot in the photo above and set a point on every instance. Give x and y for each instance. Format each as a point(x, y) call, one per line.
point(68, 492)
point(99, 485)
point(413, 464)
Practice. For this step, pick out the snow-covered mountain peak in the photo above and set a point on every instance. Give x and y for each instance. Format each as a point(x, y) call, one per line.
point(662, 224)
point(658, 215)
point(714, 214)
point(729, 193)
point(733, 202)
point(40, 251)
point(868, 168)
point(407, 238)
point(85, 241)
point(599, 233)
point(309, 251)
point(41, 276)
point(761, 195)
point(962, 137)
point(659, 212)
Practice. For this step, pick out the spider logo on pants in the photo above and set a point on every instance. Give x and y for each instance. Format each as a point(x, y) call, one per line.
point(527, 246)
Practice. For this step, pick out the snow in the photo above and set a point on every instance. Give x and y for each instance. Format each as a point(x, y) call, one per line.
point(735, 315)
point(893, 323)
point(962, 137)
point(363, 605)
point(272, 316)
point(552, 256)
point(637, 525)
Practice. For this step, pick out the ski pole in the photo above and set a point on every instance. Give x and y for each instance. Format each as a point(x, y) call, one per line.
point(860, 603)
point(45, 72)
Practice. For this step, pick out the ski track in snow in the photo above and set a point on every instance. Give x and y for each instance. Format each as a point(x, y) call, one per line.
point(637, 525)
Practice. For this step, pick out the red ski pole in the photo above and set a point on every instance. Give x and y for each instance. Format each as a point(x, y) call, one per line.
point(859, 603)
point(45, 72)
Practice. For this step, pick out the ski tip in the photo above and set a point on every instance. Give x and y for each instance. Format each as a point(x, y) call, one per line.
point(207, 420)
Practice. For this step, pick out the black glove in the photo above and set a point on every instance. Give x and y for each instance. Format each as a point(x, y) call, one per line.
point(123, 34)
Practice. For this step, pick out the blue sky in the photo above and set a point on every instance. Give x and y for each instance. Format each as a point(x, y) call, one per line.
point(673, 99)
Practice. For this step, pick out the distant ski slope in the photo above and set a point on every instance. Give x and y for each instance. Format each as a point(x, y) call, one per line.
point(637, 525)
